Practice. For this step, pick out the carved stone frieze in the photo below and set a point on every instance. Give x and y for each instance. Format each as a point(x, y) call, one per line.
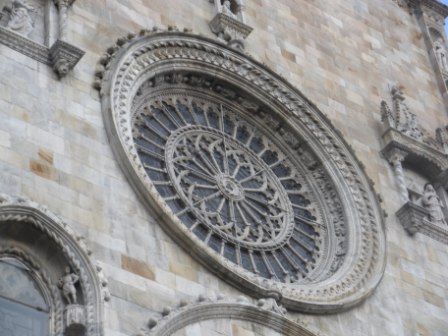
point(266, 312)
point(25, 46)
point(135, 68)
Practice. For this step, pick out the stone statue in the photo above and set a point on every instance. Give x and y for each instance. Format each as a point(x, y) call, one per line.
point(67, 284)
point(19, 17)
point(432, 202)
point(227, 10)
point(440, 52)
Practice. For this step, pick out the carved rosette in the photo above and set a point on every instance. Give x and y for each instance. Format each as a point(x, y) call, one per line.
point(141, 93)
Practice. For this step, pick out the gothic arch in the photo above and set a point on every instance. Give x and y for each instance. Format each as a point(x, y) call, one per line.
point(40, 240)
point(265, 313)
point(161, 68)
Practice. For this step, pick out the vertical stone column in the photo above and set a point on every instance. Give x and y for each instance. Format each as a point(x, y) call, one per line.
point(395, 158)
point(62, 6)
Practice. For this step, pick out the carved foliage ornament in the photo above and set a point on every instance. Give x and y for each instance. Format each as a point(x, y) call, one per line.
point(242, 170)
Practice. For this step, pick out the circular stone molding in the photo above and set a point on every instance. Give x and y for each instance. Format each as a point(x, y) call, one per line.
point(242, 170)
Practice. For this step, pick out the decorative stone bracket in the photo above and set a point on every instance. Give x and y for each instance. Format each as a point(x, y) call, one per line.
point(414, 218)
point(64, 56)
point(75, 320)
point(230, 23)
point(230, 30)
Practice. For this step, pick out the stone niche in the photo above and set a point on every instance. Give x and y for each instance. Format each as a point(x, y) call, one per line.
point(420, 165)
point(25, 17)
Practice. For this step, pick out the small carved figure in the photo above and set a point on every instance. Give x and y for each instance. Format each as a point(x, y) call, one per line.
point(440, 52)
point(19, 17)
point(432, 202)
point(227, 10)
point(67, 284)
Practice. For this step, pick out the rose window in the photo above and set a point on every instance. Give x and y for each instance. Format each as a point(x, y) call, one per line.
point(242, 171)
point(230, 183)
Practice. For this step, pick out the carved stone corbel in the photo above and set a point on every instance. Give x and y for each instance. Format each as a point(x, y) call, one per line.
point(64, 57)
point(411, 217)
point(75, 320)
point(229, 24)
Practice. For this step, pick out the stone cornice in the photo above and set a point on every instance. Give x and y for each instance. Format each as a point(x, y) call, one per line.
point(395, 139)
point(24, 46)
point(432, 4)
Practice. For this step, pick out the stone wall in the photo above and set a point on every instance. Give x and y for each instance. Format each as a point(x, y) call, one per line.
point(343, 55)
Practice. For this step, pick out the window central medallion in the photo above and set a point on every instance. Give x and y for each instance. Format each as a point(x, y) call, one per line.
point(230, 188)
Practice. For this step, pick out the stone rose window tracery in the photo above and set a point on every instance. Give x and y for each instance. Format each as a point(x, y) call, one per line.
point(231, 185)
point(241, 170)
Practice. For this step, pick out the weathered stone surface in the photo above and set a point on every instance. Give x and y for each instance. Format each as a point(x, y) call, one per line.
point(341, 54)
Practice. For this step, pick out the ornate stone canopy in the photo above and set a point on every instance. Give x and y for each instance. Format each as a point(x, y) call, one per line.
point(242, 170)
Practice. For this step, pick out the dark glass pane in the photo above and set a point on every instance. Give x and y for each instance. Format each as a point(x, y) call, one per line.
point(282, 171)
point(245, 257)
point(199, 114)
point(242, 134)
point(20, 320)
point(215, 243)
point(17, 284)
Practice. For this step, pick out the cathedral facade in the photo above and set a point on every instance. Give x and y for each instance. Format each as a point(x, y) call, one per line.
point(223, 167)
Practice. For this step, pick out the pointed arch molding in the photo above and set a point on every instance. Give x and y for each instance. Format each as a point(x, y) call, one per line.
point(352, 256)
point(35, 236)
point(264, 313)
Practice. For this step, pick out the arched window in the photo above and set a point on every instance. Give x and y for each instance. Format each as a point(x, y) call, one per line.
point(23, 309)
point(48, 285)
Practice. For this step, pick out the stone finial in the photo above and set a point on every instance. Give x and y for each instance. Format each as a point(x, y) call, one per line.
point(399, 116)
